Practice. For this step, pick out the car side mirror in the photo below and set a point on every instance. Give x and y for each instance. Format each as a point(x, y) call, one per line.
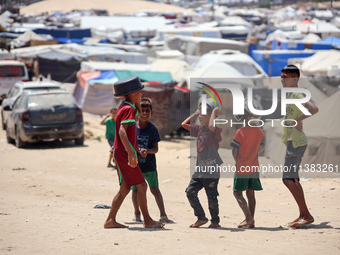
point(7, 108)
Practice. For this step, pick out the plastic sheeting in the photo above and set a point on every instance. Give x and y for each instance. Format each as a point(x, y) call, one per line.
point(94, 89)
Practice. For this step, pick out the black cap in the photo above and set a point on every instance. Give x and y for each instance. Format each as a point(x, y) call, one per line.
point(127, 86)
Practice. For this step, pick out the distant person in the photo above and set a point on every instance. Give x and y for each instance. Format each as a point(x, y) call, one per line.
point(246, 145)
point(296, 141)
point(148, 138)
point(208, 139)
point(125, 149)
point(30, 71)
point(110, 122)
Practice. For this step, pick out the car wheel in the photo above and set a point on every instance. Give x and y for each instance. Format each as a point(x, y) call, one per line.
point(3, 122)
point(18, 142)
point(79, 141)
point(9, 139)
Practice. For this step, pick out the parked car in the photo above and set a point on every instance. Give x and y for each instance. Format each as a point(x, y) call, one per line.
point(11, 71)
point(44, 115)
point(17, 89)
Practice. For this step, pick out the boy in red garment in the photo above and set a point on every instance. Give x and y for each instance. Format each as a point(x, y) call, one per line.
point(245, 145)
point(125, 149)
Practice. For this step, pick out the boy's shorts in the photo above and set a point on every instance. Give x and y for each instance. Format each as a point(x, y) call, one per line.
point(127, 174)
point(110, 141)
point(151, 178)
point(243, 182)
point(292, 161)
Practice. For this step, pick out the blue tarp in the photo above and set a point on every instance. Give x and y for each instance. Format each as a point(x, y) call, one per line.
point(69, 33)
point(273, 61)
point(300, 45)
point(105, 77)
point(335, 41)
point(70, 40)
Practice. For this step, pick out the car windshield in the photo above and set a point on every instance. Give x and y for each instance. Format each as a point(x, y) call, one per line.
point(50, 100)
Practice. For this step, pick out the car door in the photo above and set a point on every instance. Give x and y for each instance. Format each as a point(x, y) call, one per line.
point(11, 97)
point(15, 113)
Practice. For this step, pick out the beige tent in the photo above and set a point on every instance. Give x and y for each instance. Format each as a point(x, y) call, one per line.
point(320, 62)
point(322, 131)
point(112, 6)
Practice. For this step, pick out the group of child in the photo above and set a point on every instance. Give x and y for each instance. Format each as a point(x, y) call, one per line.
point(135, 145)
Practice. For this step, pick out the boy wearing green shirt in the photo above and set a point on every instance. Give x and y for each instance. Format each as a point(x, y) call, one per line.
point(296, 141)
point(110, 122)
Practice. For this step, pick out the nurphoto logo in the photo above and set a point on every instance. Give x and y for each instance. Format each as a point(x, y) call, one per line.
point(239, 101)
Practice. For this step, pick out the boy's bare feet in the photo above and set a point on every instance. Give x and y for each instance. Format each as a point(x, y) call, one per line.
point(290, 223)
point(214, 225)
point(112, 224)
point(245, 224)
point(198, 223)
point(165, 219)
point(302, 221)
point(137, 218)
point(153, 224)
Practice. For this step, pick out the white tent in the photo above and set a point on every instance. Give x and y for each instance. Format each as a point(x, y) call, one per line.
point(98, 53)
point(284, 36)
point(324, 15)
point(5, 19)
point(238, 60)
point(320, 62)
point(169, 54)
point(311, 38)
point(323, 28)
point(234, 21)
point(198, 46)
point(34, 50)
point(336, 22)
point(133, 26)
point(323, 134)
point(212, 73)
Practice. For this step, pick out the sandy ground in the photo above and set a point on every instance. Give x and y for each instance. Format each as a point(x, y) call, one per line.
point(48, 191)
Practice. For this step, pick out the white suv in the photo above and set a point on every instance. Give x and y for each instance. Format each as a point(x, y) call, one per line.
point(17, 89)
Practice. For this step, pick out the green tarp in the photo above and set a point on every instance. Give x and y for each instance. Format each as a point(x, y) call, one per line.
point(163, 77)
